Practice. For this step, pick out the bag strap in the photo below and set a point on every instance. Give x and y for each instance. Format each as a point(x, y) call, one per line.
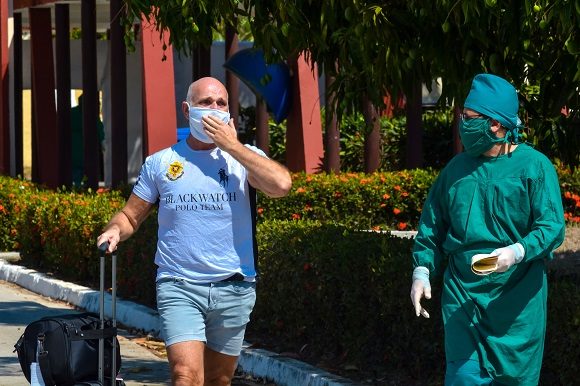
point(76, 334)
point(43, 362)
point(18, 344)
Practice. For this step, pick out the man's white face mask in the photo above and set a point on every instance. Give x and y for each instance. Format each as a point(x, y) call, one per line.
point(196, 125)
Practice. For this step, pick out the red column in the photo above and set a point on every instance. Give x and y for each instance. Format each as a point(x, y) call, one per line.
point(4, 91)
point(304, 150)
point(44, 108)
point(159, 114)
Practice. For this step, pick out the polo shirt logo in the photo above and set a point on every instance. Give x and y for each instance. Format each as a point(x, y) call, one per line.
point(223, 177)
point(175, 170)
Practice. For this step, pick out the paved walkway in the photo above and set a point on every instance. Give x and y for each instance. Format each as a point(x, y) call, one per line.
point(19, 306)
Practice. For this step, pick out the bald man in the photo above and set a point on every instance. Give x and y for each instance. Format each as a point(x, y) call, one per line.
point(206, 239)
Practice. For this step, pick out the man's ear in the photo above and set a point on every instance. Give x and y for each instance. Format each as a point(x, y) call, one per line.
point(185, 110)
point(497, 129)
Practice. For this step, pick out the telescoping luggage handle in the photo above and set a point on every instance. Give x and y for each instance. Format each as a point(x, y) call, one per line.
point(103, 248)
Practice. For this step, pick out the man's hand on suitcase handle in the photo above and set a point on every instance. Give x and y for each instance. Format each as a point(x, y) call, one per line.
point(107, 242)
point(104, 246)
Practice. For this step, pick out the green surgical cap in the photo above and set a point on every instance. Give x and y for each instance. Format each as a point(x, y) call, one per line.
point(496, 98)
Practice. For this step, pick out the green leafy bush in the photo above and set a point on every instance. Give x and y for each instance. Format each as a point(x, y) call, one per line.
point(389, 200)
point(335, 293)
point(61, 230)
point(570, 187)
point(17, 208)
point(344, 293)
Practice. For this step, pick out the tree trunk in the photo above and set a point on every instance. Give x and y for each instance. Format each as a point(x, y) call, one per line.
point(232, 81)
point(457, 145)
point(262, 129)
point(414, 110)
point(332, 132)
point(200, 62)
point(372, 155)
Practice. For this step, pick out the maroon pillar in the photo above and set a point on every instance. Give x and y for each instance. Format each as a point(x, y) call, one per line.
point(63, 85)
point(118, 97)
point(304, 151)
point(46, 143)
point(4, 91)
point(18, 115)
point(90, 100)
point(160, 121)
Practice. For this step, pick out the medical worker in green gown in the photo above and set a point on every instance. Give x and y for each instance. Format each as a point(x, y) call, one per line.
point(499, 197)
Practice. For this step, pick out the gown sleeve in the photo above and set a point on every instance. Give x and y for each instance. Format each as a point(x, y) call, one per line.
point(548, 225)
point(432, 229)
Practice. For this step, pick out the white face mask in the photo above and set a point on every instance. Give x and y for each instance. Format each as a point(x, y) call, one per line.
point(196, 125)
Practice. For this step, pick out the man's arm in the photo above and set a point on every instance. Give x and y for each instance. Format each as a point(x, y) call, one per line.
point(548, 228)
point(125, 222)
point(264, 174)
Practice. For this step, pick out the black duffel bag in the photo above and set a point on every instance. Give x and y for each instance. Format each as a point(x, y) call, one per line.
point(68, 348)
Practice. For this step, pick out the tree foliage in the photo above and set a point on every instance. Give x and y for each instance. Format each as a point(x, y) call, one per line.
point(375, 47)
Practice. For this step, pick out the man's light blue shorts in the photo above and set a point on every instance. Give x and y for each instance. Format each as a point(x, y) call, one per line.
point(214, 313)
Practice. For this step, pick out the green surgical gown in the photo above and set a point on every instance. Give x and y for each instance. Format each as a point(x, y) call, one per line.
point(478, 204)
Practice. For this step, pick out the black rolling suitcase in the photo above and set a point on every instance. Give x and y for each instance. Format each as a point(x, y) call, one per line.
point(74, 349)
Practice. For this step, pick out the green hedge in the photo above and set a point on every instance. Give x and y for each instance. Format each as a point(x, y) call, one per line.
point(346, 294)
point(389, 200)
point(380, 201)
point(55, 230)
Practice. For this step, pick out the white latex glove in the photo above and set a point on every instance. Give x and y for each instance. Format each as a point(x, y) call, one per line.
point(421, 288)
point(508, 256)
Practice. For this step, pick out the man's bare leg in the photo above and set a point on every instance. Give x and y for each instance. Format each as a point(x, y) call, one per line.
point(186, 363)
point(219, 368)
